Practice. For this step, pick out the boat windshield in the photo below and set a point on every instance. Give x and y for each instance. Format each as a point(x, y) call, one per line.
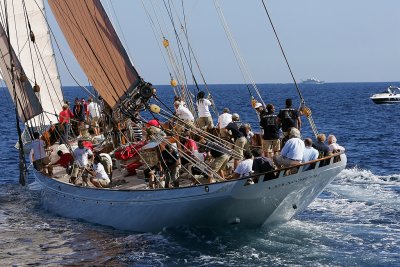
point(393, 90)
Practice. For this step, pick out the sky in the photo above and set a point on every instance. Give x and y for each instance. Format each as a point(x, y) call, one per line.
point(334, 41)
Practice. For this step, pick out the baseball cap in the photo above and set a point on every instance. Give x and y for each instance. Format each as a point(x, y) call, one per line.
point(257, 105)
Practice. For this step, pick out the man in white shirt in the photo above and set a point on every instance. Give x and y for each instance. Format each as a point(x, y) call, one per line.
point(81, 156)
point(245, 167)
point(309, 154)
point(223, 120)
point(94, 113)
point(107, 163)
point(205, 120)
point(292, 152)
point(100, 177)
point(186, 119)
point(38, 153)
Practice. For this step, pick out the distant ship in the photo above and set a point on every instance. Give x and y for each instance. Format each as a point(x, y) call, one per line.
point(312, 81)
point(391, 96)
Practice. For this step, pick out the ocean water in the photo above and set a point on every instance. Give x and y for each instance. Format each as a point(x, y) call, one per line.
point(355, 221)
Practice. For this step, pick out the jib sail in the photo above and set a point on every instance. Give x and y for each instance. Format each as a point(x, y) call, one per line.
point(21, 91)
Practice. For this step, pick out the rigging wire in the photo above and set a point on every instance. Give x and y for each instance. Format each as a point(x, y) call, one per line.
point(180, 49)
point(115, 17)
point(42, 65)
point(22, 161)
point(180, 45)
point(77, 25)
point(175, 66)
point(103, 41)
point(179, 70)
point(240, 60)
point(303, 104)
point(153, 28)
point(185, 31)
point(191, 52)
point(62, 56)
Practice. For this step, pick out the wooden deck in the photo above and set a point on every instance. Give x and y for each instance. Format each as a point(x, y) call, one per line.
point(119, 180)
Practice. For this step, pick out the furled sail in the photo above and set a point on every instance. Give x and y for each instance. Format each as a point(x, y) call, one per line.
point(97, 48)
point(22, 93)
point(38, 60)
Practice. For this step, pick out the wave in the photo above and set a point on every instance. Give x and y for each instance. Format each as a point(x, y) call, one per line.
point(356, 175)
point(358, 197)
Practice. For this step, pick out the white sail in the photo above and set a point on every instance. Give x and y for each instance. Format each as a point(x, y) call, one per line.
point(20, 89)
point(38, 60)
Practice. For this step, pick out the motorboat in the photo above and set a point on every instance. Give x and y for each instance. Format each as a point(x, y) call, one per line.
point(392, 96)
point(312, 81)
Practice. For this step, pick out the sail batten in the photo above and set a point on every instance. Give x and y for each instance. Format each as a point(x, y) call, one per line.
point(97, 47)
point(21, 91)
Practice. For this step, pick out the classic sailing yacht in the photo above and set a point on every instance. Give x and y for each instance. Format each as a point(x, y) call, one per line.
point(249, 201)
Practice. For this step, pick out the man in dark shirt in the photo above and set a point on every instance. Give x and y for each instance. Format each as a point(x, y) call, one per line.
point(79, 115)
point(289, 117)
point(239, 138)
point(171, 165)
point(269, 123)
point(262, 164)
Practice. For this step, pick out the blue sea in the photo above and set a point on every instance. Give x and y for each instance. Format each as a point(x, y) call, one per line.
point(354, 222)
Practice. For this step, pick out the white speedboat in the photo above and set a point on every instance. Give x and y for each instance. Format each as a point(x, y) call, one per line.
point(392, 96)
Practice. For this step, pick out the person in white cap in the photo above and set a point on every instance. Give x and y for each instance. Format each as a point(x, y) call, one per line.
point(259, 109)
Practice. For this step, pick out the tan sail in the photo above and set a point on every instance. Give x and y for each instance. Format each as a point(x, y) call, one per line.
point(22, 93)
point(97, 47)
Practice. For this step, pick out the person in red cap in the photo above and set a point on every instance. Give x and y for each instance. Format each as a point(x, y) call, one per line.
point(153, 122)
point(154, 131)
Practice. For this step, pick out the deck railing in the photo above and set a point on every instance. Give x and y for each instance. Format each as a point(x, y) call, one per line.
point(302, 167)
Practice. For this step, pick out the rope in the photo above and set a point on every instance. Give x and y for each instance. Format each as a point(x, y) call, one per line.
point(201, 133)
point(310, 119)
point(63, 58)
point(246, 75)
point(22, 161)
point(193, 54)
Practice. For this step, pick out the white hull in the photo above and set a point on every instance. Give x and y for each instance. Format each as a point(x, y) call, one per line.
point(213, 205)
point(391, 97)
point(312, 81)
point(385, 99)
